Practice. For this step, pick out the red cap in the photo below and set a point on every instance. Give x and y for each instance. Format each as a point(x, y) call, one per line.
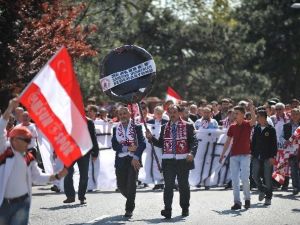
point(20, 131)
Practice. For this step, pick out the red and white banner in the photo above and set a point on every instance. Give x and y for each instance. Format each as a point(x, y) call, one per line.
point(172, 95)
point(54, 102)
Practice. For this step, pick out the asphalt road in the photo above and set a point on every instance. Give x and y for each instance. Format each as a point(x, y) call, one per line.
point(207, 207)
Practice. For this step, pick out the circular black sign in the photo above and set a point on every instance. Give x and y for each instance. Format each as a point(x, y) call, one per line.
point(127, 74)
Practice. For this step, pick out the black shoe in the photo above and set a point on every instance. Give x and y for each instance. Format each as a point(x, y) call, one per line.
point(82, 201)
point(128, 214)
point(267, 201)
point(284, 188)
point(55, 189)
point(69, 200)
point(236, 206)
point(90, 190)
point(117, 190)
point(166, 213)
point(206, 188)
point(198, 186)
point(158, 187)
point(247, 204)
point(228, 186)
point(185, 213)
point(295, 191)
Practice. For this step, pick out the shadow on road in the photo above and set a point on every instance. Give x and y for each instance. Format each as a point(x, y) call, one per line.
point(64, 207)
point(290, 196)
point(137, 190)
point(108, 220)
point(161, 220)
point(46, 193)
point(234, 213)
point(296, 210)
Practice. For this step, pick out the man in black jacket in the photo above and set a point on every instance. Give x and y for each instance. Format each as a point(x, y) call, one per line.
point(83, 165)
point(264, 150)
point(179, 144)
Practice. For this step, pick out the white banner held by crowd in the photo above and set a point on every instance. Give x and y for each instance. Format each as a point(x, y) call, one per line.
point(208, 171)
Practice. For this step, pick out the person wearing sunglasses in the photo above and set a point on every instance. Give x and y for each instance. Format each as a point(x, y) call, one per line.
point(18, 170)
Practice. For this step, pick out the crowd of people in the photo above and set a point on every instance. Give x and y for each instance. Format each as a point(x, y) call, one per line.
point(262, 143)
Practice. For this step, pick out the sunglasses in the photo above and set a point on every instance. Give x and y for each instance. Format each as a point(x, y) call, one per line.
point(27, 140)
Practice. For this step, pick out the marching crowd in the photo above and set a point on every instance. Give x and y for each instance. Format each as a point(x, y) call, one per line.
point(262, 143)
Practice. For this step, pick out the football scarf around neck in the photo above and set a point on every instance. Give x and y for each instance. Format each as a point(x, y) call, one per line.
point(124, 136)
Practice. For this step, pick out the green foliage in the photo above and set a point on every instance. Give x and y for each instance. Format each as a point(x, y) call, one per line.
point(202, 50)
point(270, 29)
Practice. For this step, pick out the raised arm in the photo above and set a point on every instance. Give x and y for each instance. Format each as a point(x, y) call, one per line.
point(13, 104)
point(3, 122)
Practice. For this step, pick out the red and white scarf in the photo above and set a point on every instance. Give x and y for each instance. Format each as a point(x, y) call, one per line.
point(226, 123)
point(127, 137)
point(181, 138)
point(295, 138)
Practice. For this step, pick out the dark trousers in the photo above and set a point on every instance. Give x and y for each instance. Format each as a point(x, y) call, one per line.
point(295, 172)
point(267, 168)
point(252, 182)
point(126, 182)
point(83, 165)
point(15, 213)
point(171, 169)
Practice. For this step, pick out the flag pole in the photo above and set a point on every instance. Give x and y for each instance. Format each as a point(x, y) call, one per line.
point(152, 146)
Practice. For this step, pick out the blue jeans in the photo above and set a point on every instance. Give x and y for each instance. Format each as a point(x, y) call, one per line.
point(83, 166)
point(240, 170)
point(267, 168)
point(15, 213)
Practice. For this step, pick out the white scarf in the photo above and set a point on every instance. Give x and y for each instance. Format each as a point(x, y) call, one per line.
point(127, 137)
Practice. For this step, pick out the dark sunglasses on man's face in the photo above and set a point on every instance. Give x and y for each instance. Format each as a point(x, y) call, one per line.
point(27, 140)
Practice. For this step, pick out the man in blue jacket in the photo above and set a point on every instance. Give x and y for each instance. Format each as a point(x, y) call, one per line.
point(129, 143)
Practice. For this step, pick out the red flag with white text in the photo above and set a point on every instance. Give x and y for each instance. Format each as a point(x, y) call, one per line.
point(54, 102)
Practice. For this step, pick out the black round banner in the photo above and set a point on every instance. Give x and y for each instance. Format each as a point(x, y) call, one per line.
point(127, 74)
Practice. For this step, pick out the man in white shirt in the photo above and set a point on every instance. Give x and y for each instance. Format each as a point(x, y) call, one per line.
point(206, 122)
point(18, 169)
